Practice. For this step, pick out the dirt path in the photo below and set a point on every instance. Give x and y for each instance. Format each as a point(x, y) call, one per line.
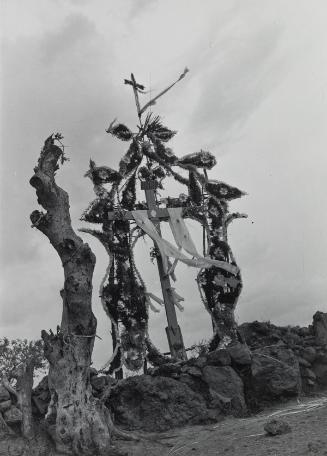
point(246, 437)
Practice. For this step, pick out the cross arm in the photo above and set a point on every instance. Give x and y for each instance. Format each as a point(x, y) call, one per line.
point(154, 214)
point(160, 214)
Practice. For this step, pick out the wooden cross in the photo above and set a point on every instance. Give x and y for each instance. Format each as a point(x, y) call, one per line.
point(173, 331)
point(136, 89)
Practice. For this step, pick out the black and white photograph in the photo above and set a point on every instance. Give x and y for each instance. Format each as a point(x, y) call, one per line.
point(163, 228)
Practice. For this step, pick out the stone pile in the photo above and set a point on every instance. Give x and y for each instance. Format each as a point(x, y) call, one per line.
point(308, 344)
point(271, 364)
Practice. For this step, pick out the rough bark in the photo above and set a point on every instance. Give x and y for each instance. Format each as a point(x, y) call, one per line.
point(78, 423)
point(24, 397)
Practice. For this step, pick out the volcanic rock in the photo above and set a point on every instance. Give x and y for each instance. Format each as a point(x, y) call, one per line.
point(226, 383)
point(239, 353)
point(219, 358)
point(275, 373)
point(277, 427)
point(156, 404)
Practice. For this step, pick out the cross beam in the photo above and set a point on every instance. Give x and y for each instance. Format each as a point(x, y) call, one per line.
point(154, 214)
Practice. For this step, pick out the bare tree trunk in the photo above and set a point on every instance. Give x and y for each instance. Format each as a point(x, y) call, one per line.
point(24, 397)
point(78, 422)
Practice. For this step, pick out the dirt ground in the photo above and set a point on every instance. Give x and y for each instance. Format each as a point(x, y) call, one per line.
point(246, 437)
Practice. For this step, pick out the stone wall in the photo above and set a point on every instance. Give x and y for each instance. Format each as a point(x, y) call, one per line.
point(272, 364)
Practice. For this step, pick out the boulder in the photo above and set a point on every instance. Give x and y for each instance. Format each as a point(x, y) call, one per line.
point(258, 334)
point(320, 328)
point(4, 394)
point(195, 383)
point(277, 427)
point(275, 374)
point(12, 415)
point(156, 404)
point(225, 386)
point(240, 354)
point(219, 358)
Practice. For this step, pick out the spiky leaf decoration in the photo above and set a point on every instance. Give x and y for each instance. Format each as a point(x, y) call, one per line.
point(165, 153)
point(202, 159)
point(129, 194)
point(154, 128)
point(131, 159)
point(194, 189)
point(120, 131)
point(164, 134)
point(102, 174)
point(223, 191)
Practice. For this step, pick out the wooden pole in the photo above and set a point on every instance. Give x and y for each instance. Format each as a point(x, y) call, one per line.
point(173, 331)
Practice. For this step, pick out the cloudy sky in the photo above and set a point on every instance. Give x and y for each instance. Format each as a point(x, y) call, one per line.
point(255, 97)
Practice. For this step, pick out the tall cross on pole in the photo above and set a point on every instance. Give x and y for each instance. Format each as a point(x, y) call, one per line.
point(156, 214)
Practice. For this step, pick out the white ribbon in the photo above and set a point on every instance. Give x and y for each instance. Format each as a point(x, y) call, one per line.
point(168, 250)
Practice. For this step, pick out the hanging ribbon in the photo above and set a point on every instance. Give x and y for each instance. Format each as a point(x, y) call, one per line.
point(180, 231)
point(168, 250)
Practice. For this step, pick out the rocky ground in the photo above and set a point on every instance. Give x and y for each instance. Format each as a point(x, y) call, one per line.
point(225, 393)
point(307, 419)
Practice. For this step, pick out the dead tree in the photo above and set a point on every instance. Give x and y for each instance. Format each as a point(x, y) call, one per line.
point(78, 422)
